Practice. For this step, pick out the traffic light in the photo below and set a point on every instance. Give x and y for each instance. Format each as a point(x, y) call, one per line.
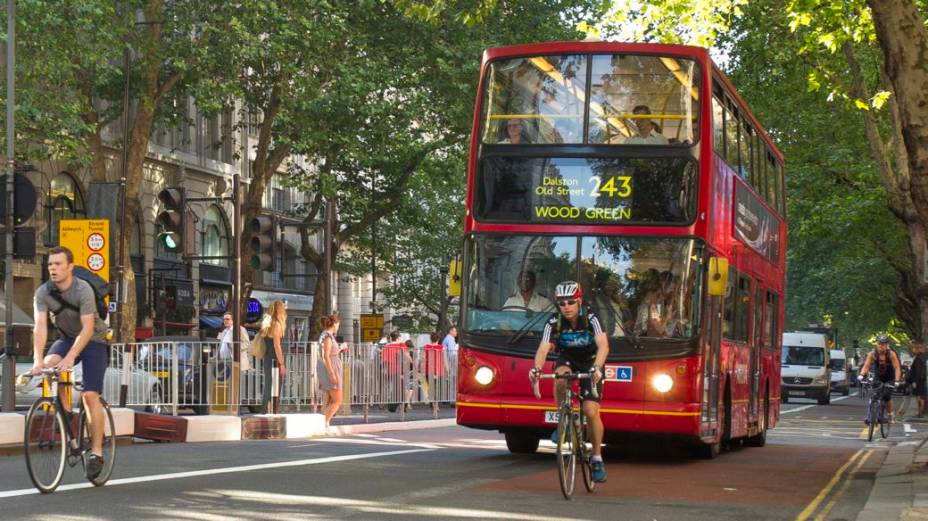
point(263, 242)
point(173, 218)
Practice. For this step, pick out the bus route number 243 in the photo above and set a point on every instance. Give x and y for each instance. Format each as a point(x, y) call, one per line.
point(614, 186)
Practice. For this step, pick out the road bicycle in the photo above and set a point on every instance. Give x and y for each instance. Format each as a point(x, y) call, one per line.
point(572, 435)
point(55, 436)
point(876, 408)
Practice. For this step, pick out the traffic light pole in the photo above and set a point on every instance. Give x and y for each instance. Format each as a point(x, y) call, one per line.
point(9, 362)
point(236, 262)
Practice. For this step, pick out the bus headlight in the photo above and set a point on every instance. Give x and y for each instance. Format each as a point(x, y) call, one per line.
point(484, 375)
point(662, 383)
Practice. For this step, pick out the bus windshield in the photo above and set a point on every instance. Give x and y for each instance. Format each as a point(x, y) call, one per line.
point(610, 99)
point(639, 287)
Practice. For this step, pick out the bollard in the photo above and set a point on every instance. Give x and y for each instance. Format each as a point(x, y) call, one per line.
point(126, 372)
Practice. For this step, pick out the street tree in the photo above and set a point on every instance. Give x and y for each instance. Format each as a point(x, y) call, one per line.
point(71, 78)
point(369, 93)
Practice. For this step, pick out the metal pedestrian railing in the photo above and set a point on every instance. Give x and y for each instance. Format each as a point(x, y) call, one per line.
point(201, 376)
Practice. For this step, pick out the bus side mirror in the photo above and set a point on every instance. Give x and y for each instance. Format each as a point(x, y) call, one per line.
point(454, 278)
point(718, 276)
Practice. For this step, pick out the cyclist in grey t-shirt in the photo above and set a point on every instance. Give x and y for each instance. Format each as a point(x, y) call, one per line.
point(72, 302)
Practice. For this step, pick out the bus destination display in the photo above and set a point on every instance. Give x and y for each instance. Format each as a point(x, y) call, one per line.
point(576, 190)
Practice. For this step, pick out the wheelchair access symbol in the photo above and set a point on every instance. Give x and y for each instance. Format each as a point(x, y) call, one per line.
point(618, 373)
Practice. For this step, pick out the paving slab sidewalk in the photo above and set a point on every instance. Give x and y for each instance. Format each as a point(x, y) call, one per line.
point(900, 490)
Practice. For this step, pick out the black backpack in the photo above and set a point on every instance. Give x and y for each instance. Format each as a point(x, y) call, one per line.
point(101, 290)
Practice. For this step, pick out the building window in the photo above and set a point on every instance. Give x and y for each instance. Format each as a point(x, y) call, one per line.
point(214, 237)
point(64, 202)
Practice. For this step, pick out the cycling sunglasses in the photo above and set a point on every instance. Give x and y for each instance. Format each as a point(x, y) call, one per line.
point(569, 302)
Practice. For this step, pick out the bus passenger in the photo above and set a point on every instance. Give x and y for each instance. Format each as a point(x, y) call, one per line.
point(656, 308)
point(609, 304)
point(526, 297)
point(514, 127)
point(649, 132)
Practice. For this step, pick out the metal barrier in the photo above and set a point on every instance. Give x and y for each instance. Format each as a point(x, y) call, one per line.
point(168, 377)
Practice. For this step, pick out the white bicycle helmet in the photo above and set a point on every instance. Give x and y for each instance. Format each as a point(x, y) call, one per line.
point(568, 289)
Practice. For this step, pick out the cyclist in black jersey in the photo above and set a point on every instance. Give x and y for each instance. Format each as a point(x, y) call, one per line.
point(887, 369)
point(581, 346)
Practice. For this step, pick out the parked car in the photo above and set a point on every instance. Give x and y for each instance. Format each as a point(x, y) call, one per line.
point(143, 387)
point(156, 354)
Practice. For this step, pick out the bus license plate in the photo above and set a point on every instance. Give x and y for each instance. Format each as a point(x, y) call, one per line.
point(552, 416)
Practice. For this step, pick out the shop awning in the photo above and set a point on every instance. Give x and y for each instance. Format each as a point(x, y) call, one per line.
point(210, 322)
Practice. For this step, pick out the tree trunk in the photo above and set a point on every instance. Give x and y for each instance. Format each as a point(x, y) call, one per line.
point(904, 41)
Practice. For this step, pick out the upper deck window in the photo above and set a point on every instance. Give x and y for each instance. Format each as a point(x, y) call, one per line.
point(643, 100)
point(535, 100)
point(629, 99)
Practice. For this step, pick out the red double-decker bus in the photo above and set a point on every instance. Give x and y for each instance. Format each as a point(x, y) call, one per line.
point(636, 170)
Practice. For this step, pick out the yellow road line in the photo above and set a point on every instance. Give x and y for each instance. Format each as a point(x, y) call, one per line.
point(810, 508)
point(847, 482)
point(865, 433)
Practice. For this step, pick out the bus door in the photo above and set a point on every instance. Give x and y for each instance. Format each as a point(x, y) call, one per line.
point(756, 346)
point(710, 405)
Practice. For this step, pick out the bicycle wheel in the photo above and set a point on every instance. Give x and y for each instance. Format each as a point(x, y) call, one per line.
point(45, 442)
point(873, 417)
point(585, 455)
point(109, 443)
point(566, 452)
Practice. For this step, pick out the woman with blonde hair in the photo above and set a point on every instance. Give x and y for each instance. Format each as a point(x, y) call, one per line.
point(329, 367)
point(273, 349)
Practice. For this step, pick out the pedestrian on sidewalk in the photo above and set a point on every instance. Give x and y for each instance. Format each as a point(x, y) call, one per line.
point(273, 351)
point(396, 360)
point(329, 367)
point(450, 343)
point(435, 369)
point(225, 342)
point(916, 377)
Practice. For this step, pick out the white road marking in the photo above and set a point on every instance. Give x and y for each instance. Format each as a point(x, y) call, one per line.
point(804, 407)
point(368, 508)
point(225, 470)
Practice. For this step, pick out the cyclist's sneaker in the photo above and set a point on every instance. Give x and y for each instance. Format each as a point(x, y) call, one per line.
point(599, 471)
point(94, 466)
point(554, 437)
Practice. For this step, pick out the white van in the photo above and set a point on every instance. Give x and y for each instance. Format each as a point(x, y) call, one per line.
point(839, 377)
point(805, 371)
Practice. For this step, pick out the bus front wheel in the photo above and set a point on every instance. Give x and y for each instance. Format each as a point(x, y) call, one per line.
point(521, 442)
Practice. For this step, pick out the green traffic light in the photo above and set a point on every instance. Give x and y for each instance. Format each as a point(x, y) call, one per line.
point(168, 241)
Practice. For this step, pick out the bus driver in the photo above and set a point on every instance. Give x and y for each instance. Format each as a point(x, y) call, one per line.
point(581, 345)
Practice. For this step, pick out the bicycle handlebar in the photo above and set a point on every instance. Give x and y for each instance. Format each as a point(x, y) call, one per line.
point(561, 376)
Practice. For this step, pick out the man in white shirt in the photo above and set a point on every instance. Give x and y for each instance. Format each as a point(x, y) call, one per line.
point(225, 337)
point(526, 298)
point(648, 131)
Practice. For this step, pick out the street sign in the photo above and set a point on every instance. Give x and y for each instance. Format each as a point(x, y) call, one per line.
point(372, 321)
point(402, 321)
point(618, 373)
point(88, 240)
point(370, 335)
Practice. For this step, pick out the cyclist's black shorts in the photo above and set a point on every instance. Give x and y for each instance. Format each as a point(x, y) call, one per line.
point(586, 386)
point(886, 392)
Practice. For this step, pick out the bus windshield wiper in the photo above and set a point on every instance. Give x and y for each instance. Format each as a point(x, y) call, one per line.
point(526, 327)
